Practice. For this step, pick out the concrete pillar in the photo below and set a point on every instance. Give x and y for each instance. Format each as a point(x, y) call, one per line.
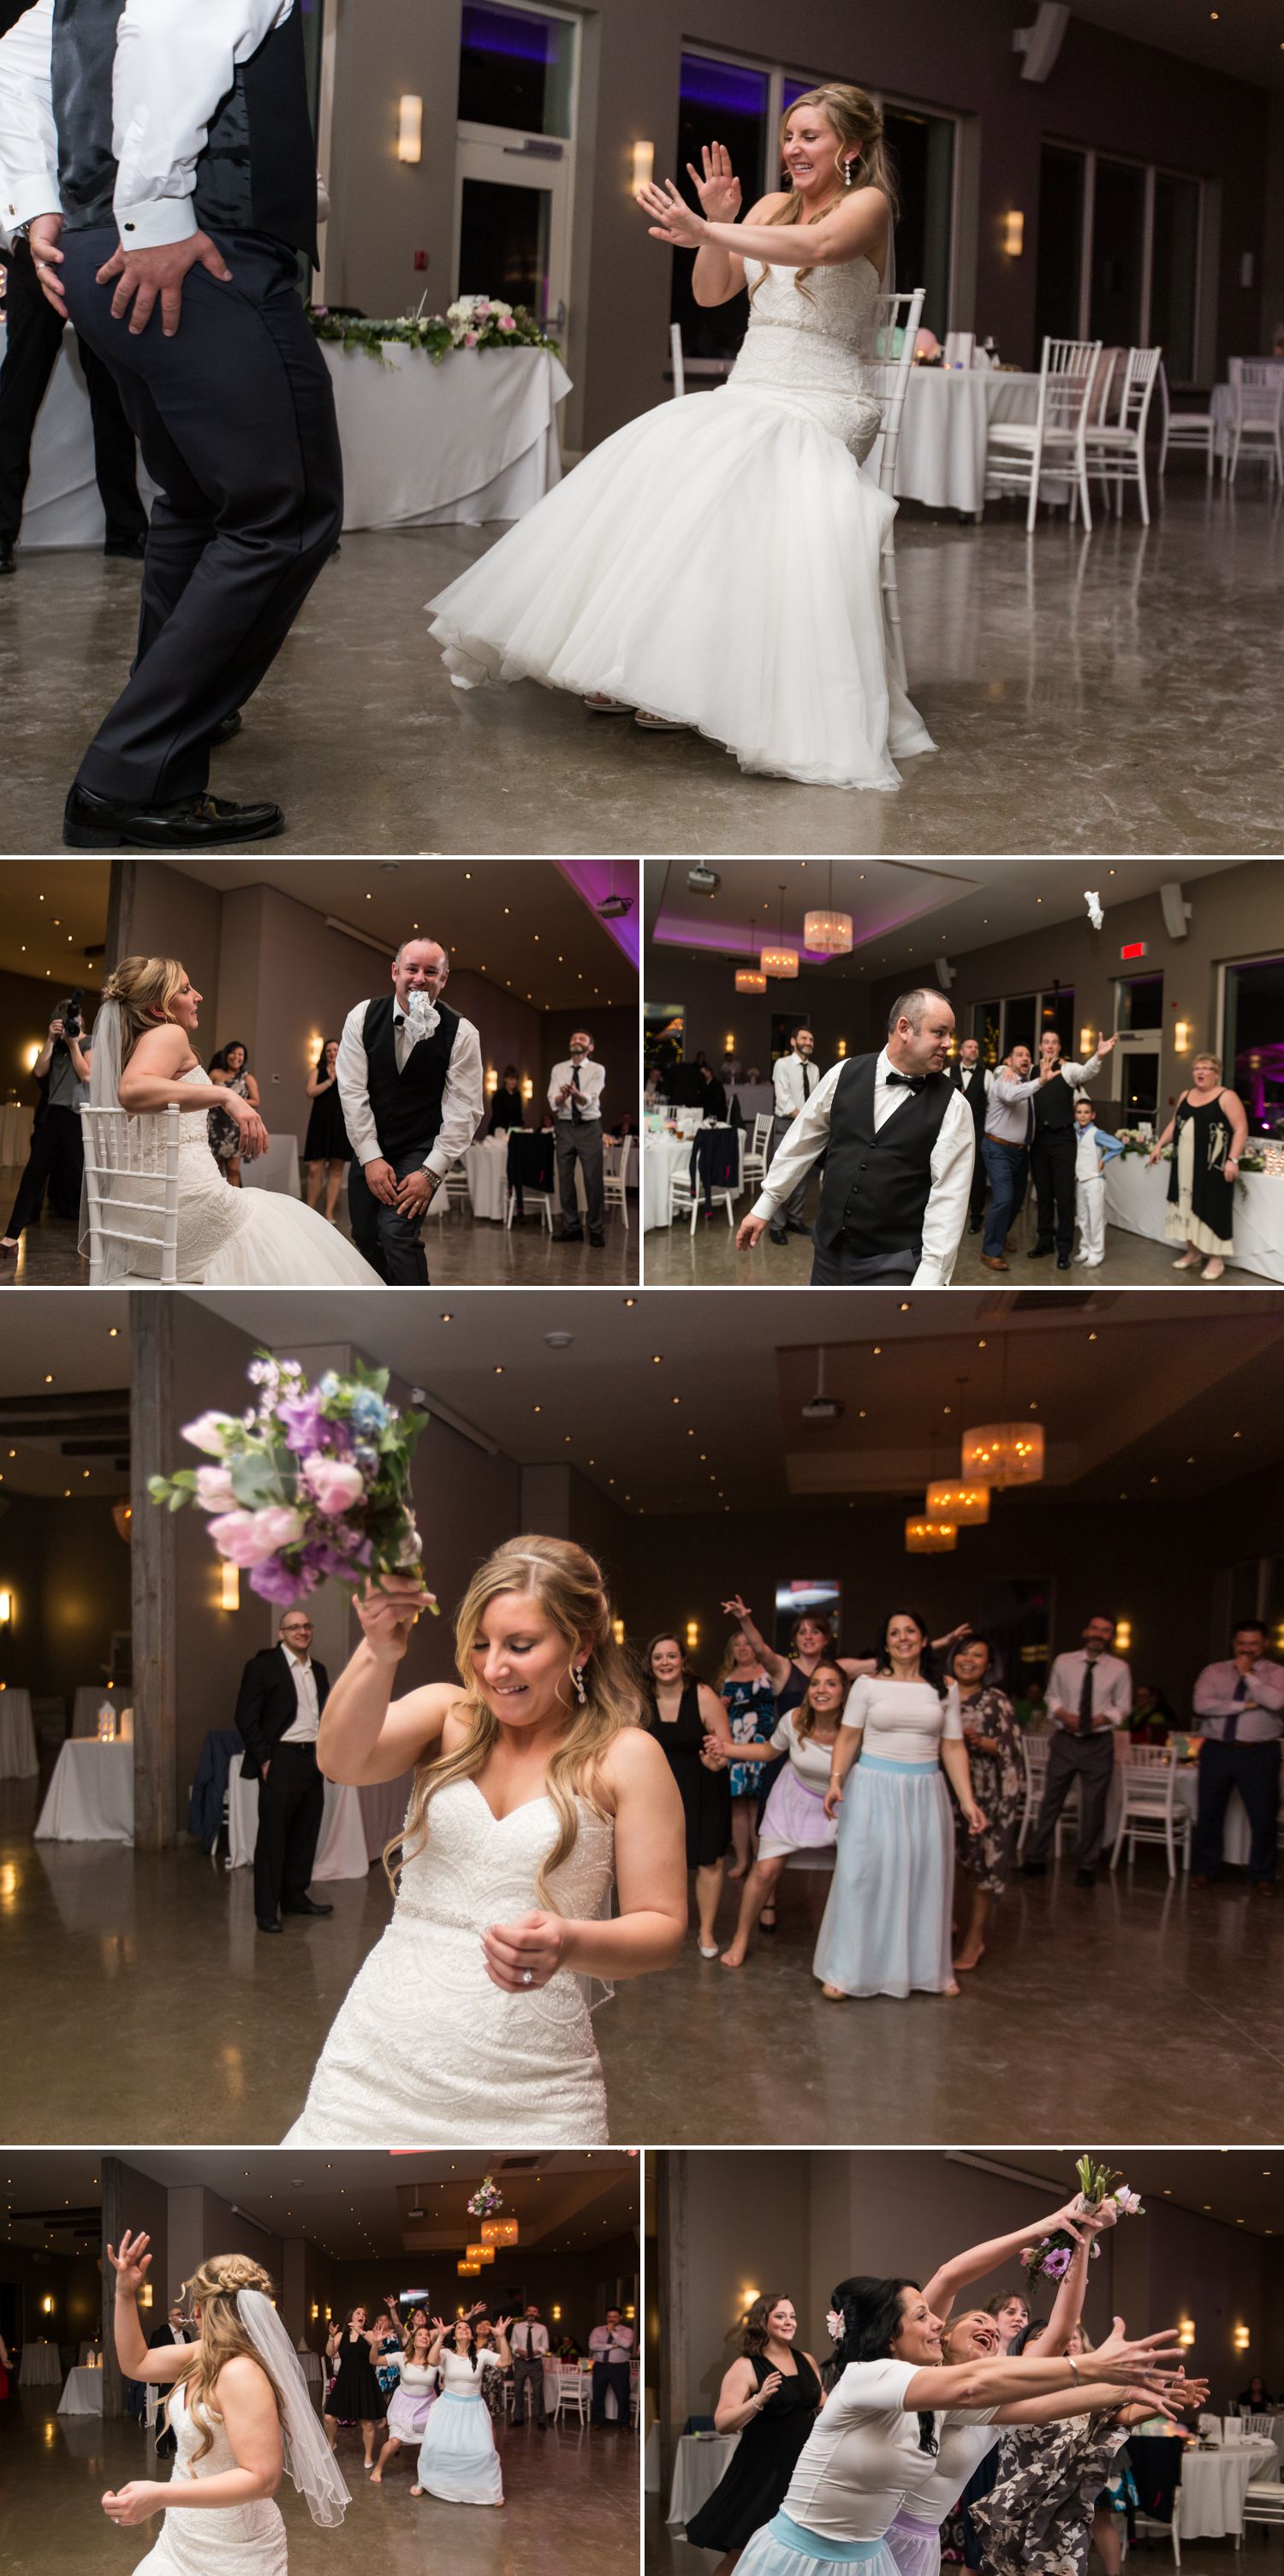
point(153, 1445)
point(115, 2220)
point(671, 2201)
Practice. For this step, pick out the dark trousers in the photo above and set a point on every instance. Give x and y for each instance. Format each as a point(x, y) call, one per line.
point(840, 1265)
point(290, 1802)
point(980, 1184)
point(1008, 1169)
point(1052, 1170)
point(790, 1210)
point(1253, 1769)
point(386, 1239)
point(580, 1144)
point(31, 353)
point(610, 2374)
point(235, 418)
point(56, 1163)
point(528, 2379)
point(1089, 1759)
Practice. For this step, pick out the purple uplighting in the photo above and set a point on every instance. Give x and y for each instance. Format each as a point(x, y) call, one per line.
point(493, 31)
point(722, 86)
point(594, 880)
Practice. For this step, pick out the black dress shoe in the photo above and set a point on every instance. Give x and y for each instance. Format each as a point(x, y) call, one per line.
point(265, 1926)
point(792, 1228)
point(599, 1240)
point(1039, 1252)
point(1063, 1261)
point(203, 822)
point(1085, 1878)
point(773, 1237)
point(224, 732)
point(1034, 1869)
point(134, 547)
point(306, 1906)
point(8, 555)
point(571, 1234)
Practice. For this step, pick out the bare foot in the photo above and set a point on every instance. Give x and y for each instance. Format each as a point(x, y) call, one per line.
point(376, 2477)
point(971, 1957)
point(416, 2490)
point(733, 1958)
point(953, 1990)
point(834, 1994)
point(9, 1242)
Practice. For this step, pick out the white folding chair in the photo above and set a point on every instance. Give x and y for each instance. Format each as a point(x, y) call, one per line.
point(541, 1199)
point(1034, 1757)
point(573, 2393)
point(903, 313)
point(1146, 2523)
point(677, 368)
point(754, 1166)
point(1267, 2426)
point(131, 1191)
point(456, 1187)
point(1148, 1809)
point(1116, 447)
point(1018, 452)
point(1184, 432)
point(1263, 2503)
point(685, 1201)
point(615, 1185)
point(1258, 426)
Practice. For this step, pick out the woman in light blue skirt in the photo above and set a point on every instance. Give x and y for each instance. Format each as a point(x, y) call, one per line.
point(886, 1928)
point(458, 2460)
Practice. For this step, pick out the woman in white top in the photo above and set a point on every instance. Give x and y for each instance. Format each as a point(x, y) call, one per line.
point(458, 2460)
point(879, 2431)
point(794, 1824)
point(886, 1927)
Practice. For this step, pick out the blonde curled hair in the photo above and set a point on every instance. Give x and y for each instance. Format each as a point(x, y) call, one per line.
point(1214, 1060)
point(858, 124)
point(567, 1583)
point(143, 989)
point(214, 2290)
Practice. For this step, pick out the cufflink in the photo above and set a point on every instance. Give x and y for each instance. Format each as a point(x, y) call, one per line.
point(129, 228)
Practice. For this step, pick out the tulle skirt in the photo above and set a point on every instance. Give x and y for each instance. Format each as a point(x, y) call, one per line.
point(915, 2546)
point(408, 2411)
point(458, 2460)
point(784, 2548)
point(794, 1822)
point(218, 2540)
point(886, 1925)
point(717, 562)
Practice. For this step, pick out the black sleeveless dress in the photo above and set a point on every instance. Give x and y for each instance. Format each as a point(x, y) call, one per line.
point(355, 2396)
point(706, 1795)
point(327, 1138)
point(763, 2462)
point(1201, 1200)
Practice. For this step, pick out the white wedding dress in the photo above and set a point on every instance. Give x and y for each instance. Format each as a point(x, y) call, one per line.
point(425, 2050)
point(717, 560)
point(252, 1238)
point(218, 2540)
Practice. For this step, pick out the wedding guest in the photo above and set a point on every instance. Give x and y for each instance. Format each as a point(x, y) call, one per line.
point(1005, 1147)
point(528, 2343)
point(1256, 2399)
point(1010, 2310)
point(1030, 1707)
point(746, 1689)
point(653, 1092)
point(1093, 1149)
point(410, 2400)
point(1152, 1718)
point(684, 1715)
point(794, 1824)
point(507, 1108)
point(611, 2345)
point(1089, 1696)
point(970, 1078)
point(354, 2395)
point(1055, 1145)
point(770, 2396)
point(1050, 2478)
point(494, 2382)
point(229, 1067)
point(811, 1642)
point(410, 1079)
point(567, 2348)
point(389, 2347)
point(575, 1097)
point(983, 1862)
point(327, 1151)
point(458, 2460)
point(278, 1716)
point(711, 1098)
point(1240, 1708)
point(898, 1144)
point(175, 2330)
point(794, 1078)
point(1208, 1131)
point(886, 1925)
point(56, 1161)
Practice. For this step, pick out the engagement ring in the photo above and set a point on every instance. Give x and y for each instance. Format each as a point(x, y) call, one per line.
point(528, 1977)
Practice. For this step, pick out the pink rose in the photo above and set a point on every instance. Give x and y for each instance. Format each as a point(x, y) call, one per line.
point(249, 1538)
point(333, 1483)
point(209, 1431)
point(277, 1526)
point(506, 322)
point(214, 1490)
point(482, 306)
point(470, 339)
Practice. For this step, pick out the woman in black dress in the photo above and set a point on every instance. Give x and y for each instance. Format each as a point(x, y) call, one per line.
point(507, 1108)
point(1208, 1131)
point(771, 2396)
point(354, 2395)
point(326, 1150)
point(684, 1711)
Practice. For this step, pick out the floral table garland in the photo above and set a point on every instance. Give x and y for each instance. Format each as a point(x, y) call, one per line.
point(471, 322)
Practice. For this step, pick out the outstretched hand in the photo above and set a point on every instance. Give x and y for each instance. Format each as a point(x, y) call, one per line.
point(674, 221)
point(716, 184)
point(132, 2264)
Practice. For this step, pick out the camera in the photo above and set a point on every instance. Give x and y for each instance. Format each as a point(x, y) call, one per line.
point(69, 1012)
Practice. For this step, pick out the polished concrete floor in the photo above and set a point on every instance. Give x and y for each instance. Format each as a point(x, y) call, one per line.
point(668, 2553)
point(1124, 2011)
point(1111, 693)
point(570, 2508)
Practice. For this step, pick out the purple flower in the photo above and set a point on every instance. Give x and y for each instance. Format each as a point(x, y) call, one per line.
point(1055, 2263)
point(302, 1418)
point(276, 1581)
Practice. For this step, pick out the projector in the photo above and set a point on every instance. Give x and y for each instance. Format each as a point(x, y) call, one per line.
point(703, 880)
point(614, 907)
point(822, 1408)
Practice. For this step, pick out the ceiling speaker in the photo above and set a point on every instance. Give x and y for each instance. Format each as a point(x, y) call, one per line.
point(1176, 910)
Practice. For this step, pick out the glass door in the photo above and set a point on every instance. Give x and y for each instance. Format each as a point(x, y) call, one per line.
point(518, 70)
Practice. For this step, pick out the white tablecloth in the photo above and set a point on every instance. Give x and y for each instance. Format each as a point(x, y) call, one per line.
point(19, 1759)
point(474, 438)
point(277, 1169)
point(700, 2466)
point(945, 428)
point(1222, 407)
point(91, 1795)
point(82, 2394)
point(311, 2365)
point(486, 1167)
point(1214, 2485)
point(355, 1823)
point(1237, 1835)
point(662, 1155)
point(90, 1697)
point(15, 1132)
point(1137, 1200)
point(40, 2367)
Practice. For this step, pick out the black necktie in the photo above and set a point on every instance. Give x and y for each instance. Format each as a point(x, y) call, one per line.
point(577, 1114)
point(806, 1074)
point(1085, 1698)
point(1240, 1692)
point(908, 1081)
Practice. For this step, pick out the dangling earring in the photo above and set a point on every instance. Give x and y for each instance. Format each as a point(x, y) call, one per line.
point(847, 174)
point(577, 1684)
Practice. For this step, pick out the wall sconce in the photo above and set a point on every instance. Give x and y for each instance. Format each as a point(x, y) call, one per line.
point(1240, 2338)
point(31, 1055)
point(528, 1087)
point(693, 1635)
point(1013, 233)
point(313, 1042)
point(410, 128)
point(492, 1078)
point(1182, 1034)
point(6, 1608)
point(1123, 1637)
point(747, 2297)
point(729, 1043)
point(145, 2295)
point(1087, 1041)
point(315, 2312)
point(122, 1520)
point(556, 2315)
point(229, 1586)
point(630, 2311)
point(841, 1048)
point(617, 1631)
point(643, 165)
point(1186, 2333)
point(46, 2307)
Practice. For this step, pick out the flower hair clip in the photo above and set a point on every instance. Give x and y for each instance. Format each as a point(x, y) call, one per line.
point(833, 2325)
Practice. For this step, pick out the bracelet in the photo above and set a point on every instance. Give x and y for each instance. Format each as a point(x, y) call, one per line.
point(1074, 2369)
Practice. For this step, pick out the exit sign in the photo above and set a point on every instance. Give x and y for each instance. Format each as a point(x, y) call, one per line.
point(1134, 948)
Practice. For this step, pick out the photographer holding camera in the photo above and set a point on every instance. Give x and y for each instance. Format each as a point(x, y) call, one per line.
point(57, 1157)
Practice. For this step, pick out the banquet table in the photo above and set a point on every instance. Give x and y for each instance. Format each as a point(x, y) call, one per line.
point(663, 1155)
point(355, 1823)
point(486, 1170)
point(1137, 1200)
point(90, 1697)
point(19, 1759)
point(945, 430)
point(15, 1131)
point(471, 439)
point(82, 2393)
point(40, 2366)
point(90, 1798)
point(276, 1169)
point(1210, 2499)
point(699, 2466)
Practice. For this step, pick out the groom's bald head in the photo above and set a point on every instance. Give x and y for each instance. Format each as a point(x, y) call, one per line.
point(420, 966)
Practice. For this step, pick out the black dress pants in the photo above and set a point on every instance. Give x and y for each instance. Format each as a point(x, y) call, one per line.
point(389, 1241)
point(614, 2375)
point(235, 418)
point(290, 1802)
point(56, 1163)
point(1052, 1172)
point(31, 354)
point(1253, 1769)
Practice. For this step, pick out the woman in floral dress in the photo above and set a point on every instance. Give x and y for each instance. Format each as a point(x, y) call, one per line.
point(745, 1685)
point(983, 1862)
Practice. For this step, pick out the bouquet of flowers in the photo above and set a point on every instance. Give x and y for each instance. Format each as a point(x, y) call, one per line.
point(486, 2199)
point(471, 322)
point(309, 1483)
point(1053, 2255)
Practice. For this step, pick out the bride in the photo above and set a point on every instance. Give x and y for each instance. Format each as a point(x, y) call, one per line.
point(241, 2414)
point(143, 1060)
point(535, 1790)
point(716, 562)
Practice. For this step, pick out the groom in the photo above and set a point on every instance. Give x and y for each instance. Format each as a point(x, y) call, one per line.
point(278, 1717)
point(410, 1080)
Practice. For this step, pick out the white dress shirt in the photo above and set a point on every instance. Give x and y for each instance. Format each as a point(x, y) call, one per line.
point(952, 1158)
point(968, 1075)
point(1111, 1689)
point(591, 1085)
point(174, 63)
point(527, 2338)
point(463, 1100)
point(787, 1082)
point(1260, 1711)
point(1007, 1110)
point(305, 1728)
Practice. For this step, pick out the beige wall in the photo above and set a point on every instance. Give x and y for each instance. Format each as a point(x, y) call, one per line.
point(70, 1575)
point(213, 1645)
point(833, 1007)
point(156, 911)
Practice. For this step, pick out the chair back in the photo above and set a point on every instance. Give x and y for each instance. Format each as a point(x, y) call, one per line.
point(1109, 378)
point(903, 313)
point(677, 368)
point(131, 1192)
point(762, 1127)
point(1067, 373)
point(1266, 2425)
point(1141, 374)
point(1149, 1757)
point(1258, 385)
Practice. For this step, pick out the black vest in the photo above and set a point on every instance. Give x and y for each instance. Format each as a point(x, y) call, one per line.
point(258, 170)
point(407, 1106)
point(974, 1096)
point(1053, 1105)
point(877, 1187)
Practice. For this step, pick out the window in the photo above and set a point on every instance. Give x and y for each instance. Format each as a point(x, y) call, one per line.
point(1139, 1002)
point(1253, 1040)
point(1056, 1013)
point(517, 87)
point(987, 1027)
point(1138, 1081)
point(516, 70)
point(922, 150)
point(1118, 229)
point(1020, 1023)
point(1058, 258)
point(1174, 273)
point(1117, 257)
point(664, 1033)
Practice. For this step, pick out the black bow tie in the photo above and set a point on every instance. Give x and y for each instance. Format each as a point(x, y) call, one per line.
point(908, 1081)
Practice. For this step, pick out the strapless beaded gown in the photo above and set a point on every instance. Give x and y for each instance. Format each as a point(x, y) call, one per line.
point(252, 1238)
point(717, 560)
point(221, 2540)
point(425, 2051)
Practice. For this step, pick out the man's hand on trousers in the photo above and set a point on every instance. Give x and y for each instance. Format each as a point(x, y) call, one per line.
point(42, 241)
point(143, 275)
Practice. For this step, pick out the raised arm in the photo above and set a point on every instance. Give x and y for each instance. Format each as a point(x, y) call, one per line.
point(962, 2269)
point(854, 228)
point(1140, 2365)
point(1067, 2307)
point(777, 1667)
point(365, 1736)
point(718, 273)
point(650, 1878)
point(154, 1079)
point(131, 2265)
